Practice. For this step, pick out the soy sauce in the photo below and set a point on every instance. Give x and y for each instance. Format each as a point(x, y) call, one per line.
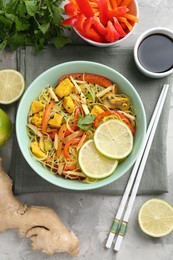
point(155, 53)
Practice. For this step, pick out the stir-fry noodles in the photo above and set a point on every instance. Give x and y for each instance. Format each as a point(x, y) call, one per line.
point(65, 116)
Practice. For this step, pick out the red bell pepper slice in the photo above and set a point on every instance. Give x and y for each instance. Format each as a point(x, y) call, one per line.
point(79, 24)
point(71, 9)
point(99, 26)
point(69, 21)
point(91, 32)
point(77, 112)
point(73, 128)
point(67, 145)
point(85, 8)
point(69, 167)
point(118, 114)
point(46, 116)
point(118, 27)
point(103, 11)
point(112, 35)
point(53, 133)
point(90, 78)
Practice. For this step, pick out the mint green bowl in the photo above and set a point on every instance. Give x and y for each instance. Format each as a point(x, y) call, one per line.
point(50, 77)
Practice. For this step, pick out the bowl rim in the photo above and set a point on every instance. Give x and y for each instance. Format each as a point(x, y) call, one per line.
point(163, 30)
point(109, 44)
point(30, 159)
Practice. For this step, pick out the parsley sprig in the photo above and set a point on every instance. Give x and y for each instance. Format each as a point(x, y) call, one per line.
point(86, 122)
point(31, 22)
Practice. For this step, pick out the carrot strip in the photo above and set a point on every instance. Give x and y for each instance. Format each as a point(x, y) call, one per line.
point(60, 139)
point(46, 116)
point(125, 2)
point(119, 2)
point(82, 140)
point(113, 3)
point(131, 17)
point(124, 20)
point(50, 130)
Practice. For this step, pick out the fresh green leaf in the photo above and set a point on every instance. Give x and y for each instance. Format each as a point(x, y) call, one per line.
point(16, 40)
point(3, 44)
point(21, 9)
point(31, 6)
point(60, 41)
point(44, 27)
point(21, 24)
point(86, 122)
point(10, 17)
point(5, 22)
point(56, 11)
point(31, 22)
point(10, 6)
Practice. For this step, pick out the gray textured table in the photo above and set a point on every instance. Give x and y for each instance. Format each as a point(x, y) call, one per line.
point(90, 216)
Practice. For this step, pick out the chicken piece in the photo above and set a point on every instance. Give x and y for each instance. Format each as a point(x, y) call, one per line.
point(113, 101)
point(68, 104)
point(37, 119)
point(36, 150)
point(64, 88)
point(56, 121)
point(36, 106)
point(96, 110)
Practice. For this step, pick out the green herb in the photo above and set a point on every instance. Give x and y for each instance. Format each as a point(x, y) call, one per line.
point(85, 122)
point(31, 22)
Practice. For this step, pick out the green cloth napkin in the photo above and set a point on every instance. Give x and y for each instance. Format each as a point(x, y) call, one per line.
point(154, 179)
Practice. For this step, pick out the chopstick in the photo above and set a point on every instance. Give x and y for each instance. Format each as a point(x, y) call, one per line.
point(137, 171)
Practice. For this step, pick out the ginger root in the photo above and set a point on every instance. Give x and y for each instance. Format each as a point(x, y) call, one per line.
point(40, 224)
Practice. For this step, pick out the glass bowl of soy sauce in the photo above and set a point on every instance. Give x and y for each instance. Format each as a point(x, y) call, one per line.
point(153, 52)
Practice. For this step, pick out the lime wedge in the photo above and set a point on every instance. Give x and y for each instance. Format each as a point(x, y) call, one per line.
point(114, 139)
point(12, 86)
point(5, 127)
point(93, 164)
point(156, 217)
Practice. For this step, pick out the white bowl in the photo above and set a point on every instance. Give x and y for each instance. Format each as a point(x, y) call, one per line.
point(144, 70)
point(134, 10)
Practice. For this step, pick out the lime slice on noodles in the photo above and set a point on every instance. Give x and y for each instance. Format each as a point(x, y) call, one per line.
point(114, 139)
point(93, 164)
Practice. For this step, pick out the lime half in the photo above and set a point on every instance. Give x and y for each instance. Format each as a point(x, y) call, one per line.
point(156, 217)
point(114, 139)
point(5, 127)
point(12, 86)
point(93, 164)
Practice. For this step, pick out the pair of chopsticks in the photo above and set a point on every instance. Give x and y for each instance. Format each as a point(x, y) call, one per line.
point(119, 224)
